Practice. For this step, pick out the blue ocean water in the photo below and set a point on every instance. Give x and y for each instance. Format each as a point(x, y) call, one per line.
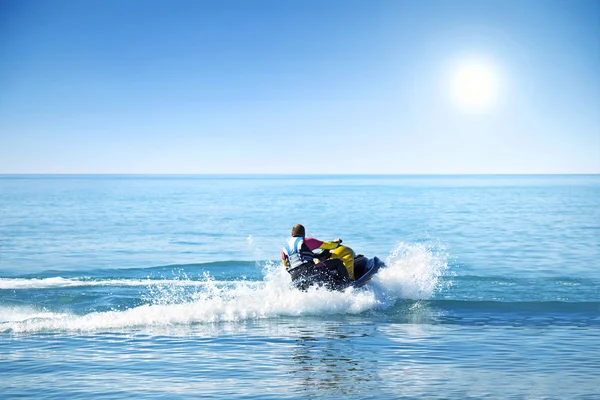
point(171, 287)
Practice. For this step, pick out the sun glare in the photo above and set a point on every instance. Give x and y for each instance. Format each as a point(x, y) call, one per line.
point(474, 86)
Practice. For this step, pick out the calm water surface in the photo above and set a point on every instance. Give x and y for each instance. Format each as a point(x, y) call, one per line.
point(170, 287)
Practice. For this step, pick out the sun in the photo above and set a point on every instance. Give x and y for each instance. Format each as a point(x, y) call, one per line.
point(474, 86)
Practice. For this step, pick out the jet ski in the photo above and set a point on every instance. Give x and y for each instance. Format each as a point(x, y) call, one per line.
point(339, 269)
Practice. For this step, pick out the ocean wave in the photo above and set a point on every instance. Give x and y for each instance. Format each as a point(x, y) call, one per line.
point(215, 304)
point(412, 272)
point(246, 306)
point(501, 313)
point(556, 308)
point(12, 314)
point(137, 271)
point(59, 282)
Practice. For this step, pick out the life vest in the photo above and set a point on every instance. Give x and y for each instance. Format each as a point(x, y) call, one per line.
point(298, 253)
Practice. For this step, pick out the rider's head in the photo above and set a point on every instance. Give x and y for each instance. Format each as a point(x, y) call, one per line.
point(298, 231)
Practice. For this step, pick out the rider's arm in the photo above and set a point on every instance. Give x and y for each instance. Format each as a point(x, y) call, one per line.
point(284, 259)
point(314, 244)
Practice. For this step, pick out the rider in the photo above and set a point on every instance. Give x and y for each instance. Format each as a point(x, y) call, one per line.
point(298, 257)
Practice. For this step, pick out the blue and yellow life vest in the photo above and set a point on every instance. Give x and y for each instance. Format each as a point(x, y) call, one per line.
point(298, 253)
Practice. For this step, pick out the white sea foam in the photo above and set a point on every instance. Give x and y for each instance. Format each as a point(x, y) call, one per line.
point(58, 282)
point(412, 272)
point(11, 314)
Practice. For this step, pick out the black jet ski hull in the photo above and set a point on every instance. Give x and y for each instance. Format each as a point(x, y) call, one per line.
point(371, 268)
point(365, 269)
point(372, 265)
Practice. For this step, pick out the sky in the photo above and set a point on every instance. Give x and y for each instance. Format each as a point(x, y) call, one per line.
point(299, 87)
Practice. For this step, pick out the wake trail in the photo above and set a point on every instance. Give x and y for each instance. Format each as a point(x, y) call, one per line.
point(412, 271)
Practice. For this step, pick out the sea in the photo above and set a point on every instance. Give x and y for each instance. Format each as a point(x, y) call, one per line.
point(171, 287)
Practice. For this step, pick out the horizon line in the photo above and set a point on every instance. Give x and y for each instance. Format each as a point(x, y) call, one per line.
point(23, 174)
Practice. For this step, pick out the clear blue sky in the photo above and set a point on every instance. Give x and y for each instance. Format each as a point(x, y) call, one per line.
point(297, 86)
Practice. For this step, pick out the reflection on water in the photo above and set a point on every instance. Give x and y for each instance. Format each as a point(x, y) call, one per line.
point(323, 357)
point(326, 361)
